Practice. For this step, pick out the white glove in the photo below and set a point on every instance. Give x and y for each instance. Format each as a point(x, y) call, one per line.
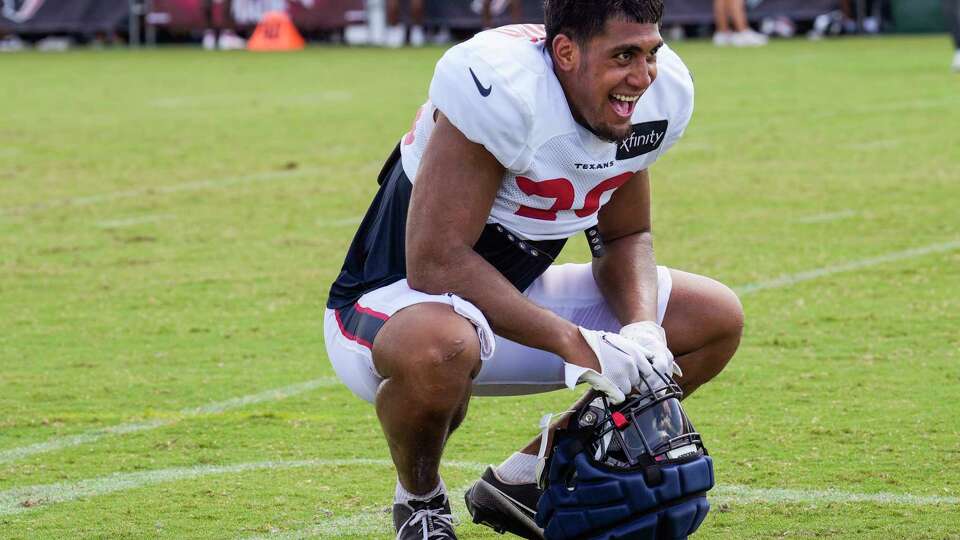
point(622, 364)
point(651, 337)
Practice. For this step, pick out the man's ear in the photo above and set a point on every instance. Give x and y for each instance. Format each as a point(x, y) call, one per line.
point(566, 53)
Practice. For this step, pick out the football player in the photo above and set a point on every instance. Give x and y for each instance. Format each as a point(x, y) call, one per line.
point(487, 8)
point(951, 9)
point(531, 134)
point(396, 32)
point(220, 35)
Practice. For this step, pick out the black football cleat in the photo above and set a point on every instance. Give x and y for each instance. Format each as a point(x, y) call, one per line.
point(504, 507)
point(419, 520)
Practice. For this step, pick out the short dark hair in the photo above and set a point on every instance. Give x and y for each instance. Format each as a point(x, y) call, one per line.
point(584, 19)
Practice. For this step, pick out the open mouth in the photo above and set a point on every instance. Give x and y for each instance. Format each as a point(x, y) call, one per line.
point(623, 104)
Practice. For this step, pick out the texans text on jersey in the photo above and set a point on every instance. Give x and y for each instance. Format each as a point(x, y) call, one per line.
point(594, 166)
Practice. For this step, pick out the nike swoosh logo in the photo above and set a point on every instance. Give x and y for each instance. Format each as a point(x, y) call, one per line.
point(522, 506)
point(483, 91)
point(500, 492)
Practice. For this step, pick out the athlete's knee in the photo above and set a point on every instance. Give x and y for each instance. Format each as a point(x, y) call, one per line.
point(721, 312)
point(703, 313)
point(729, 309)
point(429, 345)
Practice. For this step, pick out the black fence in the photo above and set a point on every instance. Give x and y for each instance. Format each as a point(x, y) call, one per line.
point(93, 16)
point(466, 13)
point(63, 16)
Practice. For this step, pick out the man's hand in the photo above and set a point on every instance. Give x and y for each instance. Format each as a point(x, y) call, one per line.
point(651, 337)
point(622, 364)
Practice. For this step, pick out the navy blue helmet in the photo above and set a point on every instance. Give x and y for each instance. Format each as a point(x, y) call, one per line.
point(636, 470)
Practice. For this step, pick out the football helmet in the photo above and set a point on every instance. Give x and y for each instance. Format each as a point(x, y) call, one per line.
point(635, 470)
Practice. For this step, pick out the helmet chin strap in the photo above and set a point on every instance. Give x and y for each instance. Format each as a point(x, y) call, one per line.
point(545, 421)
point(542, 453)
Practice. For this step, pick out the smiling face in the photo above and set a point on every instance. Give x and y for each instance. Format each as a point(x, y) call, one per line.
point(604, 78)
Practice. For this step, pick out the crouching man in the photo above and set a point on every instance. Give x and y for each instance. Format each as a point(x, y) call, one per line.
point(531, 134)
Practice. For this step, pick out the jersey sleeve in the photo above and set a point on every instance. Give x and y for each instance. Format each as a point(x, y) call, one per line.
point(483, 106)
point(682, 98)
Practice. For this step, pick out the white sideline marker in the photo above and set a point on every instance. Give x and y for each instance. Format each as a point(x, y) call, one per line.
point(792, 279)
point(93, 435)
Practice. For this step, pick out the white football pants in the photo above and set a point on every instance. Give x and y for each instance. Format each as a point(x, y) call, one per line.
point(509, 368)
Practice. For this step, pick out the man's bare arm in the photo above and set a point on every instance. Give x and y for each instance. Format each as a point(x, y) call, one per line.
point(627, 273)
point(452, 197)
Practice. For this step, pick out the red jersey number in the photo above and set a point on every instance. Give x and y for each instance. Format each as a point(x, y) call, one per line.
point(563, 193)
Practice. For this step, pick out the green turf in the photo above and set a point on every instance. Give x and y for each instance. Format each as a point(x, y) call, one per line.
point(170, 221)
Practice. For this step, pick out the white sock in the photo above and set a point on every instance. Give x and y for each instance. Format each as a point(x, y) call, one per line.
point(518, 469)
point(401, 495)
point(417, 36)
point(395, 36)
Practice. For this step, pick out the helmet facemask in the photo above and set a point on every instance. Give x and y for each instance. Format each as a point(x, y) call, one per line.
point(649, 428)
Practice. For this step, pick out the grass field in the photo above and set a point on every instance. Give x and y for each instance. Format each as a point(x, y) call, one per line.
point(170, 221)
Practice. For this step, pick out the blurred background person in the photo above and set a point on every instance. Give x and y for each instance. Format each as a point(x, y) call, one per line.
point(9, 42)
point(740, 34)
point(951, 9)
point(516, 11)
point(870, 17)
point(396, 34)
point(220, 34)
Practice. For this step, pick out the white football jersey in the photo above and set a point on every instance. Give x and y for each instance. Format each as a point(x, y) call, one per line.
point(499, 90)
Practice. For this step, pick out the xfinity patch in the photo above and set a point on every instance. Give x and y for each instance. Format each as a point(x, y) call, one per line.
point(644, 138)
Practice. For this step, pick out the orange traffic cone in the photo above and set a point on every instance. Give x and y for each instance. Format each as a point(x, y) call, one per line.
point(275, 32)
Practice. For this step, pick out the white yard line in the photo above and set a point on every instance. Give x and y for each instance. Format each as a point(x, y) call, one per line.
point(827, 217)
point(899, 106)
point(208, 101)
point(25, 499)
point(369, 523)
point(196, 185)
point(132, 221)
point(361, 524)
point(746, 494)
point(792, 279)
point(59, 443)
point(880, 144)
point(341, 222)
point(17, 500)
